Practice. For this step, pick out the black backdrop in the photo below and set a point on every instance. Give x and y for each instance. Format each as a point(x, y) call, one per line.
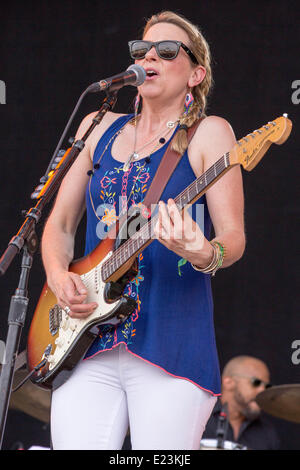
point(50, 51)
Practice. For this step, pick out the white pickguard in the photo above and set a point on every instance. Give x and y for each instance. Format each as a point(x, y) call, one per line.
point(70, 328)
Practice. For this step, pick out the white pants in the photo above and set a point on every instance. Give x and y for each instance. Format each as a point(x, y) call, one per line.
point(114, 390)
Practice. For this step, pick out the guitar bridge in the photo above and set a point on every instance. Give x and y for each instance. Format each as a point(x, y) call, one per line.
point(55, 318)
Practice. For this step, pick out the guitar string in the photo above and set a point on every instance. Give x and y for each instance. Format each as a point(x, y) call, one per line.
point(145, 227)
point(205, 175)
point(117, 254)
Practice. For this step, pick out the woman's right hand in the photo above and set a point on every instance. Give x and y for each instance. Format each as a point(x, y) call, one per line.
point(71, 292)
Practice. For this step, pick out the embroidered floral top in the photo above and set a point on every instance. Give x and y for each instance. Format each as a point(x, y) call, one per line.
point(172, 326)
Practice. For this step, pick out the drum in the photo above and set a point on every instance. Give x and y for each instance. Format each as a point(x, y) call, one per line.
point(211, 444)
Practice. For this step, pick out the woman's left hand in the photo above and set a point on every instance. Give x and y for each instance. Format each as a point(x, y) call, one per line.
point(181, 234)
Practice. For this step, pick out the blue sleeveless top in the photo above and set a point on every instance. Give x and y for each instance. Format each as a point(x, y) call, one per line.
point(172, 326)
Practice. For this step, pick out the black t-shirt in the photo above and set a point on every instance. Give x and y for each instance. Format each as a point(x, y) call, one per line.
point(258, 434)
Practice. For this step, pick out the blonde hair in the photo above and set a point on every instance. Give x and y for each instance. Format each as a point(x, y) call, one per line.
point(201, 51)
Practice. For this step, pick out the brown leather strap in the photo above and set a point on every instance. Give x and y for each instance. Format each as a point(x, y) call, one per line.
point(166, 167)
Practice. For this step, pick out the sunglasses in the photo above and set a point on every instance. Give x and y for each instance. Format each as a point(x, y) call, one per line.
point(167, 50)
point(255, 382)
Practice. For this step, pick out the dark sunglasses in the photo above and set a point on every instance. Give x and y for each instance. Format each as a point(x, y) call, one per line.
point(255, 382)
point(167, 50)
point(258, 382)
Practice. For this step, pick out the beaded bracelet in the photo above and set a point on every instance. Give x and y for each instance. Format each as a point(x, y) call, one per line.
point(221, 255)
point(217, 261)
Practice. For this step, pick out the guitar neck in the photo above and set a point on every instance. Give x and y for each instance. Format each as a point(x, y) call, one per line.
point(128, 251)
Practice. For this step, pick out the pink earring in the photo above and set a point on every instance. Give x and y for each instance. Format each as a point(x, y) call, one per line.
point(189, 100)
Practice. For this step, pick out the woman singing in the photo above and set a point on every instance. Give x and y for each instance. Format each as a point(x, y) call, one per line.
point(158, 371)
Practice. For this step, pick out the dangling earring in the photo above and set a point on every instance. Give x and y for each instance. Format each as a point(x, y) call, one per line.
point(189, 100)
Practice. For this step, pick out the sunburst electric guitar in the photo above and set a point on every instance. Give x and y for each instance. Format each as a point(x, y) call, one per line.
point(57, 342)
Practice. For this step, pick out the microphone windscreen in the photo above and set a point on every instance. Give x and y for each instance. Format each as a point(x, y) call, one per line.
point(139, 72)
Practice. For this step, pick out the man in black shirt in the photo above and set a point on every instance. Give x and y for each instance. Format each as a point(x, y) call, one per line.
point(237, 417)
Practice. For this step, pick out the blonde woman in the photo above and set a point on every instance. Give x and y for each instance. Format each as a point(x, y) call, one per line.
point(157, 372)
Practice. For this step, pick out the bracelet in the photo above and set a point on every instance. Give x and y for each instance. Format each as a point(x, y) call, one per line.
point(211, 264)
point(217, 260)
point(221, 256)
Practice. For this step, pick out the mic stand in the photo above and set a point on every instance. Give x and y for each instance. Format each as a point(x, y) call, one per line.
point(222, 427)
point(26, 240)
point(16, 320)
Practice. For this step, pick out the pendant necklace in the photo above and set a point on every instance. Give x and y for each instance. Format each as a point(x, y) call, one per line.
point(136, 153)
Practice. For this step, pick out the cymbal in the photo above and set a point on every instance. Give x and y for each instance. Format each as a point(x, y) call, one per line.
point(282, 401)
point(30, 398)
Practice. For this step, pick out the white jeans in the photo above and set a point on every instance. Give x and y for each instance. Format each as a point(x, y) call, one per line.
point(114, 390)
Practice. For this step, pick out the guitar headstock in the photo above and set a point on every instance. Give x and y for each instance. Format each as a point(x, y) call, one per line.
point(249, 150)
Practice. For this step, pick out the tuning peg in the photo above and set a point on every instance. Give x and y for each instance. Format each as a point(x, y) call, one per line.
point(39, 187)
point(58, 158)
point(37, 191)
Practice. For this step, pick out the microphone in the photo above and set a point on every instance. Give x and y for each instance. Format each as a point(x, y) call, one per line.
point(135, 75)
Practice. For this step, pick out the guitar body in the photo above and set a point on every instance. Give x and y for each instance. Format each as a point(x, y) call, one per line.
point(62, 340)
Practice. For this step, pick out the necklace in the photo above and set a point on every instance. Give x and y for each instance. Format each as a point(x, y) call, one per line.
point(170, 125)
point(135, 155)
point(97, 164)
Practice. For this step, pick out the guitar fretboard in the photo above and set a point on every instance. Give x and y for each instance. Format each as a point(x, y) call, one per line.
point(135, 244)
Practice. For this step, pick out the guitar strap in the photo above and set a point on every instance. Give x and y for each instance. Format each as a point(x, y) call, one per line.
point(166, 168)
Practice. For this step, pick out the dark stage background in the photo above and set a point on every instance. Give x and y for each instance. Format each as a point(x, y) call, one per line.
point(51, 51)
